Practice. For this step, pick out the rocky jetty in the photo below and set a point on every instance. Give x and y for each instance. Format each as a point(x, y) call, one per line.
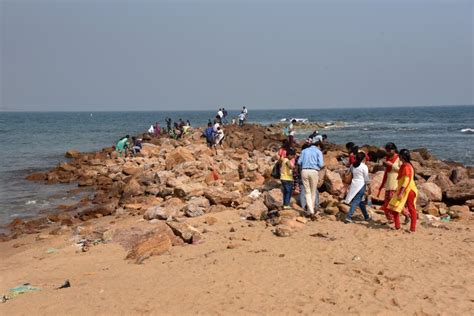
point(171, 180)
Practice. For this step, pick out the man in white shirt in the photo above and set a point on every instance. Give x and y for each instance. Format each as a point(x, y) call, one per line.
point(220, 113)
point(242, 118)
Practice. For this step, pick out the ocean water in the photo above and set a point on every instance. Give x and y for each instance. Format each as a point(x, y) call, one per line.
point(34, 141)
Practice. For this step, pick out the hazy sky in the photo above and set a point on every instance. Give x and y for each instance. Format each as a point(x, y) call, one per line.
point(170, 55)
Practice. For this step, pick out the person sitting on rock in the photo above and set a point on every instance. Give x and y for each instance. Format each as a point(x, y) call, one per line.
point(137, 145)
point(122, 146)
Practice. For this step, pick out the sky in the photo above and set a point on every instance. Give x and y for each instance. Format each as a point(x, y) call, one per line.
point(104, 55)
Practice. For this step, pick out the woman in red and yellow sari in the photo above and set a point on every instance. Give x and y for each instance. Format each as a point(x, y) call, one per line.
point(406, 191)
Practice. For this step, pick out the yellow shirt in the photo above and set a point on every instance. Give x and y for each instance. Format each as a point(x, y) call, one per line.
point(286, 171)
point(392, 183)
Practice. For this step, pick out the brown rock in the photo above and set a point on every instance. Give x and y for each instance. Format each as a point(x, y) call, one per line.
point(273, 199)
point(333, 183)
point(257, 210)
point(219, 196)
point(132, 188)
point(461, 192)
point(460, 212)
point(72, 154)
point(344, 208)
point(442, 181)
point(210, 220)
point(375, 182)
point(332, 210)
point(154, 244)
point(186, 232)
point(429, 191)
point(283, 231)
point(178, 156)
point(37, 176)
point(459, 174)
point(431, 209)
point(189, 190)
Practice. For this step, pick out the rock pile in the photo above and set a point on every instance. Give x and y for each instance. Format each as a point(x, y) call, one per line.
point(171, 180)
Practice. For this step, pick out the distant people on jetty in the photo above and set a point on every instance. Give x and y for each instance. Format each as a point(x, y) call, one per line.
point(311, 161)
point(122, 146)
point(290, 131)
point(245, 111)
point(151, 130)
point(242, 118)
point(287, 164)
point(209, 134)
point(407, 192)
point(169, 125)
point(357, 188)
point(157, 129)
point(224, 116)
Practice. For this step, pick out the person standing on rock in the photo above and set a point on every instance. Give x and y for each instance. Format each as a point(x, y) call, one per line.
point(389, 181)
point(218, 138)
point(310, 161)
point(242, 118)
point(286, 176)
point(406, 191)
point(359, 183)
point(209, 134)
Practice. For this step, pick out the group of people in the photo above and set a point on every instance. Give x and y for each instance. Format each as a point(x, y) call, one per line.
point(124, 147)
point(300, 174)
point(222, 115)
point(214, 134)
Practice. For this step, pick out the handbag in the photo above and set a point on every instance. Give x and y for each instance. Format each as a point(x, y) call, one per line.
point(276, 170)
point(347, 177)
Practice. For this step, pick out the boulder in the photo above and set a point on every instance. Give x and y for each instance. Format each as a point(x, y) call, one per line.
point(375, 182)
point(257, 210)
point(132, 188)
point(159, 212)
point(459, 174)
point(461, 212)
point(189, 190)
point(193, 210)
point(72, 154)
point(442, 181)
point(333, 183)
point(330, 160)
point(332, 210)
point(283, 231)
point(186, 232)
point(344, 208)
point(432, 209)
point(219, 196)
point(273, 199)
point(152, 244)
point(178, 156)
point(430, 191)
point(461, 192)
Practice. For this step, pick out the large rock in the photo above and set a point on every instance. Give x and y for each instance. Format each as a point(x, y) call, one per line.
point(219, 196)
point(430, 191)
point(72, 154)
point(257, 210)
point(432, 209)
point(196, 207)
point(375, 182)
point(149, 150)
point(178, 156)
point(461, 212)
point(170, 209)
point(330, 160)
point(186, 232)
point(132, 188)
point(442, 181)
point(333, 183)
point(273, 199)
point(461, 192)
point(189, 190)
point(152, 244)
point(459, 174)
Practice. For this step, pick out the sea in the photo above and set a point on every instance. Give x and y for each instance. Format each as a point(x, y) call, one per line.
point(37, 141)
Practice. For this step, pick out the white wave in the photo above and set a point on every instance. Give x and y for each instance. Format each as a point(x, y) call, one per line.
point(468, 130)
point(30, 202)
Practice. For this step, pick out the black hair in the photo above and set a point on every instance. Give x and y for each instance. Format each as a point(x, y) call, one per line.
point(291, 152)
point(405, 154)
point(391, 146)
point(293, 121)
point(359, 158)
point(209, 124)
point(306, 145)
point(355, 150)
point(324, 136)
point(349, 146)
point(127, 136)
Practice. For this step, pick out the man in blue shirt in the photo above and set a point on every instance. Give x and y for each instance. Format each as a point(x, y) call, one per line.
point(311, 161)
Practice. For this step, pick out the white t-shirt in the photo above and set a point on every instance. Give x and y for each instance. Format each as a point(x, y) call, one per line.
point(214, 128)
point(242, 116)
point(220, 113)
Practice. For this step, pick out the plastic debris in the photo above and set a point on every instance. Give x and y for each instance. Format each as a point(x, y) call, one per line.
point(20, 289)
point(52, 250)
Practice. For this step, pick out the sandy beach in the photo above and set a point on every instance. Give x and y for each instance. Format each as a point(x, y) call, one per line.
point(241, 267)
